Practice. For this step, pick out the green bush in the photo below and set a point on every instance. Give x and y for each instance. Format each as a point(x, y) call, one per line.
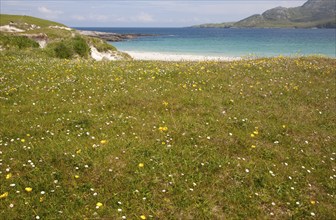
point(66, 49)
point(63, 51)
point(20, 42)
point(80, 46)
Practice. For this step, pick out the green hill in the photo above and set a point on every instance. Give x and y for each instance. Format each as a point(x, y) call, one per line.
point(47, 38)
point(314, 13)
point(25, 22)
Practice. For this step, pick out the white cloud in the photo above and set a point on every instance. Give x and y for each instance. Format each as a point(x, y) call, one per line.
point(99, 17)
point(119, 19)
point(143, 17)
point(78, 18)
point(44, 10)
point(91, 17)
point(48, 12)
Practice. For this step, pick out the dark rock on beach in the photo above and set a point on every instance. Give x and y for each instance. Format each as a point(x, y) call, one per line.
point(114, 37)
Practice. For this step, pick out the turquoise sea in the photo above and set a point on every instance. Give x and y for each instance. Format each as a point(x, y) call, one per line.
point(229, 42)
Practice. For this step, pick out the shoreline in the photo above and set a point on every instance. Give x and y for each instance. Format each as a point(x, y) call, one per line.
point(157, 56)
point(112, 37)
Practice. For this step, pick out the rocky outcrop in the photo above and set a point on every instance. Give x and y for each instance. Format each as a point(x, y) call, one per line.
point(113, 37)
point(10, 28)
point(276, 14)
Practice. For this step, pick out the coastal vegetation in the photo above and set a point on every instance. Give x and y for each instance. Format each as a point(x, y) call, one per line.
point(81, 139)
point(17, 42)
point(189, 140)
point(49, 38)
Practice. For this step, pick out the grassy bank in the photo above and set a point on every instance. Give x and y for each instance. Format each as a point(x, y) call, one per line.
point(43, 38)
point(158, 140)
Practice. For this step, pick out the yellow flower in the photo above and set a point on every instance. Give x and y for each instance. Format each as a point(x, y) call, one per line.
point(103, 141)
point(4, 195)
point(141, 165)
point(8, 176)
point(78, 151)
point(76, 176)
point(283, 126)
point(99, 204)
point(162, 129)
point(252, 135)
point(143, 217)
point(28, 189)
point(41, 199)
point(312, 202)
point(165, 103)
point(255, 132)
point(23, 140)
point(253, 146)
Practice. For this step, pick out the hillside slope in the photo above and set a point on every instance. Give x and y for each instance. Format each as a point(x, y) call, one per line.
point(314, 13)
point(48, 38)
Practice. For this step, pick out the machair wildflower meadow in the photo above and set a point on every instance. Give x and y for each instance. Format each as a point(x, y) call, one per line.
point(250, 139)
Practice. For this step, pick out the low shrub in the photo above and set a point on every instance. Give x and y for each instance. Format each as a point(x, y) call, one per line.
point(80, 46)
point(68, 48)
point(19, 42)
point(63, 51)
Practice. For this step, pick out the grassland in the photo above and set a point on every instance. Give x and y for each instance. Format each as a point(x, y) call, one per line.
point(23, 20)
point(251, 139)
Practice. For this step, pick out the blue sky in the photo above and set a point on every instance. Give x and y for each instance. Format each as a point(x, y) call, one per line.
point(141, 13)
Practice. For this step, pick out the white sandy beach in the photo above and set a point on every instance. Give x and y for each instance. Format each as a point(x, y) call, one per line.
point(176, 57)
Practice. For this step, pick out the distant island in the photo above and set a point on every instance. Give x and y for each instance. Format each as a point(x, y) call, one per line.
point(312, 14)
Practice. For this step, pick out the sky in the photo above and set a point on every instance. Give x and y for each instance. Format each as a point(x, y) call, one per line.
point(141, 13)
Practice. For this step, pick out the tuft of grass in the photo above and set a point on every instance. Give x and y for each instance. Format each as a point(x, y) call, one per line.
point(248, 139)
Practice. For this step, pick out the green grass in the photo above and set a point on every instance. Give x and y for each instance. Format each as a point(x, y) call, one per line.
point(16, 42)
point(100, 45)
point(24, 22)
point(53, 34)
point(76, 131)
point(68, 48)
point(20, 20)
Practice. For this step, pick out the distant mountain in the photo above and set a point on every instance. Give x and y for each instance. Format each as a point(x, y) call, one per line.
point(314, 13)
